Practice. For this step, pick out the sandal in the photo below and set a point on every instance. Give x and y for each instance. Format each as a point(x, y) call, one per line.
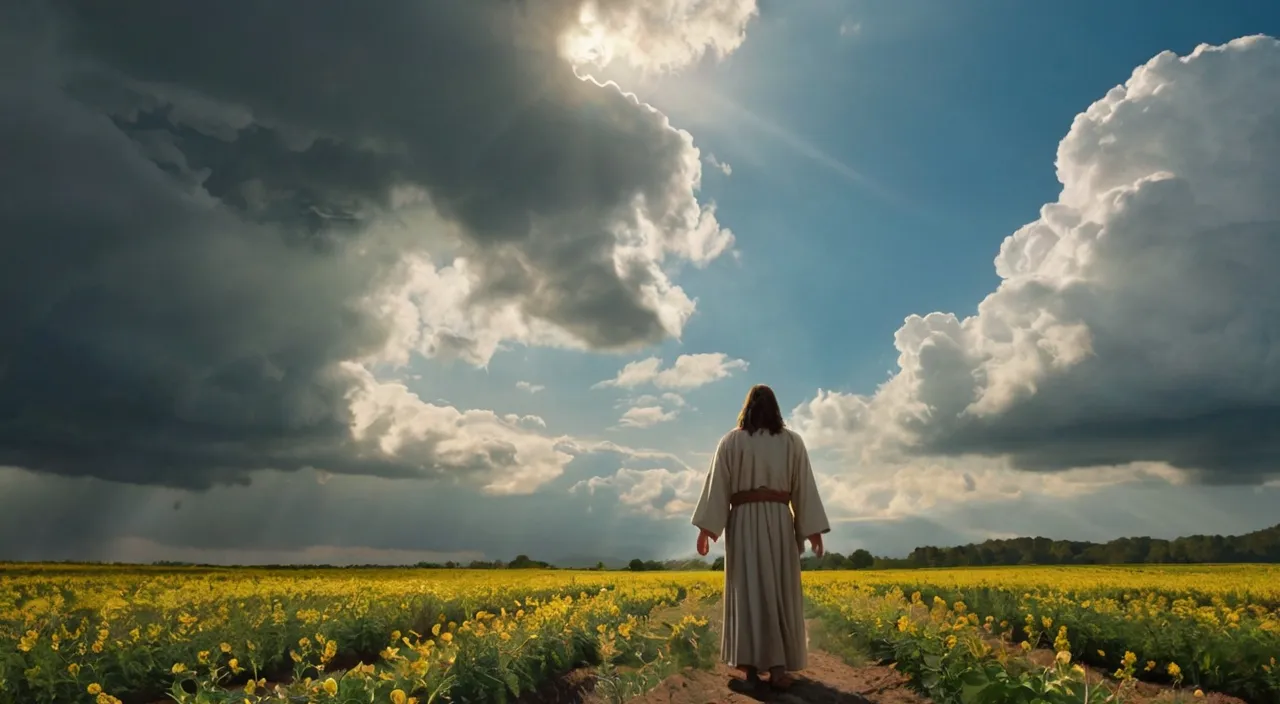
point(781, 682)
point(750, 679)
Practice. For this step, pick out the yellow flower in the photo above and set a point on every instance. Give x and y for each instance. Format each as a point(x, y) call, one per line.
point(94, 688)
point(1199, 693)
point(178, 668)
point(398, 696)
point(331, 686)
point(225, 647)
point(1063, 657)
point(446, 637)
point(74, 669)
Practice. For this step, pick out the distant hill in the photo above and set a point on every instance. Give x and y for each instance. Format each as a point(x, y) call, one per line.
point(1258, 546)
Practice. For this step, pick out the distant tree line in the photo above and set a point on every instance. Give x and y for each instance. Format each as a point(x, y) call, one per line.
point(1258, 546)
point(857, 560)
point(1261, 546)
point(521, 562)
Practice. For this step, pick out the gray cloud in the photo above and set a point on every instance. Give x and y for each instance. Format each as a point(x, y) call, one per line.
point(467, 100)
point(302, 516)
point(203, 209)
point(613, 514)
point(1136, 319)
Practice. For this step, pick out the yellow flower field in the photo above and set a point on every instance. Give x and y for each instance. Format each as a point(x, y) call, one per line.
point(1210, 627)
point(104, 634)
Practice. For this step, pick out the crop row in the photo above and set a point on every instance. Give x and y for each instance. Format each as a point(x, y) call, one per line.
point(103, 635)
point(384, 638)
point(956, 641)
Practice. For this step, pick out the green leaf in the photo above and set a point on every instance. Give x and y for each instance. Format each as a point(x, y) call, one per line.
point(972, 692)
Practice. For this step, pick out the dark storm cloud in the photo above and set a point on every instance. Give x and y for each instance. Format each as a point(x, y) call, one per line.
point(184, 196)
point(293, 518)
point(45, 517)
point(1228, 445)
point(468, 100)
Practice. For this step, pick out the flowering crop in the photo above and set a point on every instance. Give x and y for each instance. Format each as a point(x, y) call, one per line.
point(102, 634)
point(327, 635)
point(1211, 627)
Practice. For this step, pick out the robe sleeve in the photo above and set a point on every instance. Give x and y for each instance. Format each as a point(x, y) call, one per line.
point(712, 512)
point(810, 516)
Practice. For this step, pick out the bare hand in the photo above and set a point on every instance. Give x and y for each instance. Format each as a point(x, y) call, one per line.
point(704, 541)
point(816, 541)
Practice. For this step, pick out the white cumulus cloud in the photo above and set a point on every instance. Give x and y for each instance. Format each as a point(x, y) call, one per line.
point(656, 35)
point(689, 371)
point(502, 454)
point(658, 493)
point(1134, 328)
point(721, 166)
point(646, 416)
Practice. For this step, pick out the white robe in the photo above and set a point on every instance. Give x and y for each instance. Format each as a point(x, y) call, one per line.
point(763, 604)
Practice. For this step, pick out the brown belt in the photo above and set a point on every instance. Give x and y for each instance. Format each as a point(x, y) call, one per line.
point(755, 496)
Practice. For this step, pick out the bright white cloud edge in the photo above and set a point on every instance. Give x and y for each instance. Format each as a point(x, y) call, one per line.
point(1126, 256)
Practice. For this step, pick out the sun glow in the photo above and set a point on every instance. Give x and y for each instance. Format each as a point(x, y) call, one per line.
point(589, 42)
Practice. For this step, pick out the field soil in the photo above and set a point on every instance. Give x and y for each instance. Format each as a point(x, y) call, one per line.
point(828, 679)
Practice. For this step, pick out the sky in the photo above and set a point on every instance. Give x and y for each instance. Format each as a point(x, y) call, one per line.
point(382, 283)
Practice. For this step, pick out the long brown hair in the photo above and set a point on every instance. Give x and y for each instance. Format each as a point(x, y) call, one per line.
point(760, 411)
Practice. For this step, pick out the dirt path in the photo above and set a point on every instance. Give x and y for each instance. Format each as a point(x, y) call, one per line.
point(827, 680)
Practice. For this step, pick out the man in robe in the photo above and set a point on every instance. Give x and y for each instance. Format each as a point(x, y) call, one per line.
point(760, 493)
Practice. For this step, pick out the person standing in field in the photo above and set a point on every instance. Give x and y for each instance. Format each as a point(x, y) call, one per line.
point(761, 494)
